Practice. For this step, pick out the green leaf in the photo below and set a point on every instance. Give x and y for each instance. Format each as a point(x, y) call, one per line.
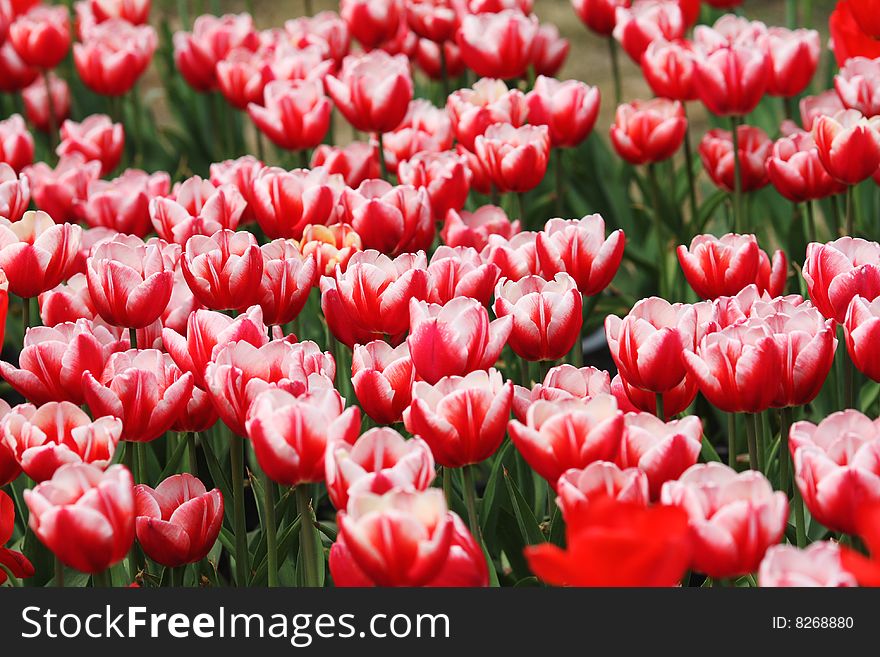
point(174, 461)
point(525, 519)
point(489, 505)
point(557, 528)
point(707, 451)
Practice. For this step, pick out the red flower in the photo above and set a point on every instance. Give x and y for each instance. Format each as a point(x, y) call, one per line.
point(96, 138)
point(838, 271)
point(36, 253)
point(849, 145)
point(648, 131)
point(331, 245)
point(860, 328)
point(579, 248)
point(716, 152)
point(732, 79)
point(290, 434)
point(197, 207)
point(355, 162)
point(463, 419)
point(223, 271)
point(497, 45)
point(18, 564)
point(60, 191)
point(812, 107)
point(196, 54)
point(287, 280)
point(435, 20)
point(549, 50)
point(865, 570)
point(848, 37)
point(474, 228)
point(670, 69)
point(616, 543)
point(489, 101)
point(178, 522)
point(123, 204)
point(113, 55)
point(445, 175)
point(795, 170)
point(599, 15)
point(569, 109)
point(84, 516)
point(372, 22)
point(794, 57)
point(561, 382)
point(16, 143)
point(294, 114)
point(662, 450)
point(578, 488)
point(460, 272)
point(36, 102)
point(15, 193)
point(41, 37)
point(632, 399)
point(647, 21)
point(515, 159)
point(734, 517)
point(382, 377)
point(819, 564)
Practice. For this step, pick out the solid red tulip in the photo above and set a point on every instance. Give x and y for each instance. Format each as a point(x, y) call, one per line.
point(849, 145)
point(489, 101)
point(515, 159)
point(113, 55)
point(84, 515)
point(820, 564)
point(662, 450)
point(463, 419)
point(734, 517)
point(616, 543)
point(454, 339)
point(290, 434)
point(866, 570)
point(838, 271)
point(130, 282)
point(569, 109)
point(178, 522)
point(36, 253)
point(497, 45)
point(41, 36)
point(648, 131)
point(52, 361)
point(600, 16)
point(848, 39)
point(377, 462)
point(474, 228)
point(837, 467)
point(57, 433)
point(570, 433)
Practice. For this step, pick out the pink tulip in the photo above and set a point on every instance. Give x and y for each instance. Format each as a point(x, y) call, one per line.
point(489, 101)
point(382, 377)
point(578, 486)
point(561, 382)
point(816, 565)
point(460, 271)
point(36, 253)
point(569, 109)
point(838, 271)
point(662, 450)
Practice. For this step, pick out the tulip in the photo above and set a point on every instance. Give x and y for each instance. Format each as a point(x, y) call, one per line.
point(424, 129)
point(136, 12)
point(812, 107)
point(4, 304)
point(13, 561)
point(578, 488)
point(648, 343)
point(241, 173)
point(178, 522)
point(497, 45)
point(284, 203)
point(196, 54)
point(84, 515)
point(377, 462)
point(734, 517)
point(489, 101)
point(401, 538)
point(561, 382)
point(280, 60)
point(15, 75)
point(463, 419)
point(632, 400)
point(67, 302)
point(372, 295)
point(36, 97)
point(41, 37)
point(36, 253)
point(737, 368)
point(670, 68)
point(15, 193)
point(648, 131)
point(330, 245)
point(568, 434)
point(52, 361)
point(818, 564)
point(515, 159)
point(96, 138)
point(239, 371)
point(849, 145)
point(391, 219)
point(293, 114)
point(206, 330)
point(240, 78)
point(382, 377)
point(546, 314)
point(454, 339)
point(372, 23)
point(569, 109)
point(16, 143)
point(223, 271)
point(474, 228)
point(444, 175)
point(549, 50)
point(795, 170)
point(428, 58)
point(866, 570)
point(435, 20)
point(145, 389)
point(129, 281)
point(123, 203)
point(355, 162)
point(662, 450)
point(460, 272)
point(496, 6)
point(287, 280)
point(516, 257)
point(848, 39)
point(860, 328)
point(836, 467)
point(732, 79)
point(716, 153)
point(196, 207)
point(579, 248)
point(114, 55)
point(9, 467)
point(599, 15)
point(865, 14)
point(794, 57)
point(838, 271)
point(290, 434)
point(646, 21)
point(372, 91)
point(617, 543)
point(60, 191)
point(44, 439)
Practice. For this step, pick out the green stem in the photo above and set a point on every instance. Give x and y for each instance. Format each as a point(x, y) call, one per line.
point(660, 413)
point(615, 70)
point(848, 381)
point(236, 459)
point(589, 305)
point(470, 500)
point(658, 228)
point(560, 180)
point(143, 462)
point(810, 221)
point(271, 529)
point(307, 7)
point(525, 377)
point(800, 522)
point(136, 110)
point(692, 185)
point(731, 440)
point(133, 338)
point(307, 537)
point(25, 315)
point(192, 453)
point(784, 456)
point(177, 575)
point(850, 214)
point(383, 166)
point(444, 71)
point(101, 580)
point(752, 435)
point(737, 177)
point(53, 115)
point(447, 486)
point(59, 573)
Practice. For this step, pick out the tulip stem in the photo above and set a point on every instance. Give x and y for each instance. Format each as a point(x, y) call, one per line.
point(800, 522)
point(752, 435)
point(132, 338)
point(560, 179)
point(307, 7)
point(177, 575)
point(784, 456)
point(810, 220)
point(737, 177)
point(25, 315)
point(692, 185)
point(101, 580)
point(615, 70)
point(10, 576)
point(53, 116)
point(383, 165)
point(848, 381)
point(142, 462)
point(271, 530)
point(307, 544)
point(59, 573)
point(447, 485)
point(660, 413)
point(192, 453)
point(444, 72)
point(850, 214)
point(236, 459)
point(470, 500)
point(658, 228)
point(731, 440)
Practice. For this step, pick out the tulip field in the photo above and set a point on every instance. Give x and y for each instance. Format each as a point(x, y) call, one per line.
point(438, 293)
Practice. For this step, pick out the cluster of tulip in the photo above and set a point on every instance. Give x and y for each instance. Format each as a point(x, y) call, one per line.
point(318, 343)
